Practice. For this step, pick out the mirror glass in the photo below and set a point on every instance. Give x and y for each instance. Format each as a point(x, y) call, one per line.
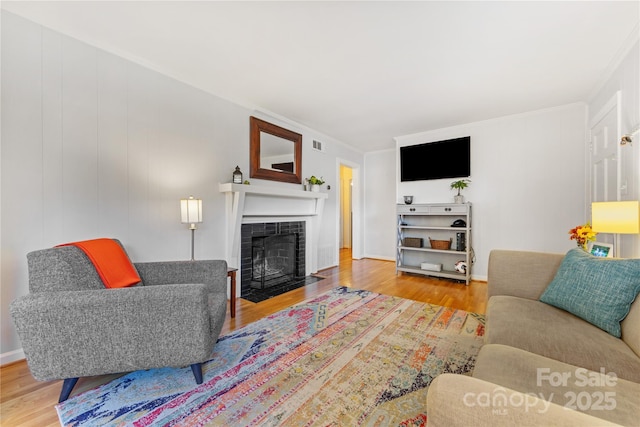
point(276, 152)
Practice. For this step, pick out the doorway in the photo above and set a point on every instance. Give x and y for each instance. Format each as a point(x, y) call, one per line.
point(346, 207)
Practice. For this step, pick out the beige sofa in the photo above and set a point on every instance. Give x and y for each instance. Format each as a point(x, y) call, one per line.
point(541, 365)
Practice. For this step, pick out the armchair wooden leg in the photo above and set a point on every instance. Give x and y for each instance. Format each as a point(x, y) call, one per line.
point(67, 386)
point(197, 372)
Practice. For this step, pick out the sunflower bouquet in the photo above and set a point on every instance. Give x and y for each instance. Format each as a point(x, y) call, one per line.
point(582, 234)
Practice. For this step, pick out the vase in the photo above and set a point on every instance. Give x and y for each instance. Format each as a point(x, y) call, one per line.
point(315, 188)
point(458, 199)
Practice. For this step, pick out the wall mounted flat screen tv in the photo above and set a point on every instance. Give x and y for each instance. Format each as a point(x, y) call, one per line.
point(435, 160)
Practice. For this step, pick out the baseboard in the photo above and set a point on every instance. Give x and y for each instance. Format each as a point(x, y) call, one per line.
point(380, 257)
point(11, 356)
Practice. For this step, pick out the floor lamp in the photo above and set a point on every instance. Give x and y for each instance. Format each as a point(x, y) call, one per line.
point(616, 218)
point(191, 213)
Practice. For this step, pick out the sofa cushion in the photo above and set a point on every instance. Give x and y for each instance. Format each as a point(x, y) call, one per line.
point(598, 290)
point(606, 397)
point(551, 332)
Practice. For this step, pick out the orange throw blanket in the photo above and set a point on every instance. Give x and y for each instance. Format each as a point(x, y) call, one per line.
point(111, 262)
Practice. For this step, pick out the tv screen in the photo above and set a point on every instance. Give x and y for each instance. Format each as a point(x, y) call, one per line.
point(435, 160)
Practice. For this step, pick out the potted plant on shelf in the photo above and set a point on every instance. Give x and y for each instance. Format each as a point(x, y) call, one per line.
point(315, 183)
point(459, 185)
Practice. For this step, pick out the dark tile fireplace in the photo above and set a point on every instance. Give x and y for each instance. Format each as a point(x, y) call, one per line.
point(272, 257)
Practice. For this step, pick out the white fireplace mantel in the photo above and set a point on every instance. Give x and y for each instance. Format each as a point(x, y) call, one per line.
point(253, 203)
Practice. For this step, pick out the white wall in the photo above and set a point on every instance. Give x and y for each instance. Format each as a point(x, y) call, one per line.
point(625, 77)
point(527, 180)
point(380, 204)
point(94, 145)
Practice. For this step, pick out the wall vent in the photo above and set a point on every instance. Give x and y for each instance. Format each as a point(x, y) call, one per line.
point(317, 145)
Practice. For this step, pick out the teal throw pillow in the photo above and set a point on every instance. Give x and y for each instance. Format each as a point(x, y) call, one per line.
point(598, 290)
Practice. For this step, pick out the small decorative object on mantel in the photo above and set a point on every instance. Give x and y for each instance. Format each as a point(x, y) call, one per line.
point(315, 183)
point(582, 234)
point(408, 199)
point(459, 185)
point(237, 176)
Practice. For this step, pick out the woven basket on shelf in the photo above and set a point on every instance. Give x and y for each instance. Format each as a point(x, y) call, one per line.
point(412, 242)
point(440, 244)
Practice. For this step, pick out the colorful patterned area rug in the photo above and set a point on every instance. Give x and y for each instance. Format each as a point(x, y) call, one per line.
point(345, 358)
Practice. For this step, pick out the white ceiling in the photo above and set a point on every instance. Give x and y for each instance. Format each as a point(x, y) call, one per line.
point(363, 72)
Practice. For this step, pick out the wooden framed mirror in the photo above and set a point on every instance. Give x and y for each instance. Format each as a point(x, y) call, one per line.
point(276, 152)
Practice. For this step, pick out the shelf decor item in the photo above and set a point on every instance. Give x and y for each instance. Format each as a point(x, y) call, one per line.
point(408, 199)
point(412, 242)
point(459, 185)
point(440, 244)
point(430, 266)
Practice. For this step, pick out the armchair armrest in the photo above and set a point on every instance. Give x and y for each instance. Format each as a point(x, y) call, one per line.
point(212, 273)
point(459, 400)
point(113, 330)
point(521, 273)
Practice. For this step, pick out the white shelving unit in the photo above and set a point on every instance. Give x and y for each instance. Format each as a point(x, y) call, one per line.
point(424, 221)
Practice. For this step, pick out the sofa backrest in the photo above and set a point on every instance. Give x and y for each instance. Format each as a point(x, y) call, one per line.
point(631, 327)
point(522, 274)
point(65, 268)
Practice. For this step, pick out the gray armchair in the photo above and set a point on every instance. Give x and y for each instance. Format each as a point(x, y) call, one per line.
point(71, 326)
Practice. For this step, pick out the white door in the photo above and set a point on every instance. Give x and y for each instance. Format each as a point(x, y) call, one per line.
point(605, 153)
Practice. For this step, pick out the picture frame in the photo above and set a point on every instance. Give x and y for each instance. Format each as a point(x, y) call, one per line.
point(600, 249)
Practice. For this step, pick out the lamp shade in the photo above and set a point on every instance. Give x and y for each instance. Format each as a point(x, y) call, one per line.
point(616, 217)
point(191, 210)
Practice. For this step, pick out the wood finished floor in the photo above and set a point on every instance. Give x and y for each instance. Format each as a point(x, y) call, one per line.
point(27, 402)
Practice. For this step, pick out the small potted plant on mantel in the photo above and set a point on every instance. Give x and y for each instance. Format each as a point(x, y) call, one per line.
point(459, 185)
point(315, 183)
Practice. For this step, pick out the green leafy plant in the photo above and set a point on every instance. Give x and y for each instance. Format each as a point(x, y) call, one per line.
point(460, 185)
point(316, 181)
